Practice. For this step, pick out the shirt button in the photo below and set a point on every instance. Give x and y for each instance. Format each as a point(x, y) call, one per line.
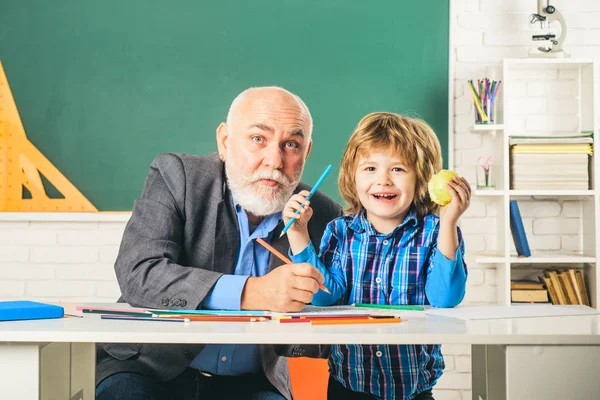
point(378, 353)
point(385, 242)
point(378, 280)
point(224, 358)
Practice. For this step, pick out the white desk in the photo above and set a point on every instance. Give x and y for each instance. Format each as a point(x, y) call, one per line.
point(545, 358)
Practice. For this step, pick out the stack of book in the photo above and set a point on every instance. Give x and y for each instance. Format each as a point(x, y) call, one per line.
point(566, 287)
point(548, 163)
point(528, 292)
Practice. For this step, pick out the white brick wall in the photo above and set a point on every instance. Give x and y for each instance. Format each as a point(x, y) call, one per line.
point(59, 261)
point(486, 31)
point(73, 261)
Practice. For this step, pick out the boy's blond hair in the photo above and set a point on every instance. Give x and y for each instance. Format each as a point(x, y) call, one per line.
point(411, 139)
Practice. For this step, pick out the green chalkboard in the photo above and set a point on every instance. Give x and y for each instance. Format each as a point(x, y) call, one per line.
point(104, 86)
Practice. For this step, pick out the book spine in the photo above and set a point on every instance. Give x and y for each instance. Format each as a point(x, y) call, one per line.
point(518, 231)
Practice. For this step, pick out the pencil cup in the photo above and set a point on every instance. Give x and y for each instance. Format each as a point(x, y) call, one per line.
point(485, 177)
point(484, 100)
point(489, 109)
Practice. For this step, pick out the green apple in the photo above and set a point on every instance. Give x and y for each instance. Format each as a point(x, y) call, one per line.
point(438, 191)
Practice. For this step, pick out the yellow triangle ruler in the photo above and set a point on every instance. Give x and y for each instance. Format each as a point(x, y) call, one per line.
point(21, 164)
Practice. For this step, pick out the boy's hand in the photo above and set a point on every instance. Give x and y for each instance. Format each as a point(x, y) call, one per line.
point(461, 196)
point(294, 204)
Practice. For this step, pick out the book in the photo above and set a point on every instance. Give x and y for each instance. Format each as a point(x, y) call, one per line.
point(568, 289)
point(525, 284)
point(20, 310)
point(560, 295)
point(550, 288)
point(572, 277)
point(529, 296)
point(582, 289)
point(518, 231)
point(550, 140)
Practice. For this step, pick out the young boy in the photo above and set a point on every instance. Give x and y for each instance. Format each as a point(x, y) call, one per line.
point(392, 248)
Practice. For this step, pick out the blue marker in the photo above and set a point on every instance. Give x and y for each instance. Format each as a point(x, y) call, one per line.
point(312, 191)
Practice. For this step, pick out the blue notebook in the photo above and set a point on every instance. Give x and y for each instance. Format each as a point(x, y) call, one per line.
point(518, 231)
point(18, 310)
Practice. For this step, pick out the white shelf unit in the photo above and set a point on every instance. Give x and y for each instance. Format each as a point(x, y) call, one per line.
point(488, 128)
point(546, 83)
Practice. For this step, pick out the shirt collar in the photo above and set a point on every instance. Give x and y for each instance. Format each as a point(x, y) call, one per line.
point(360, 223)
point(266, 226)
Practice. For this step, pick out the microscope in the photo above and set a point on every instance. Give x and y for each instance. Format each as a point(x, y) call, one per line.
point(546, 14)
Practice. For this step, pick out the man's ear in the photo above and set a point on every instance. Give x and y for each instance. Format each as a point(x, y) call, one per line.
point(222, 139)
point(309, 149)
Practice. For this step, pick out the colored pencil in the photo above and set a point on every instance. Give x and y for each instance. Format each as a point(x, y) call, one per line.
point(294, 321)
point(283, 258)
point(216, 318)
point(153, 319)
point(247, 313)
point(312, 191)
point(477, 101)
point(116, 312)
point(357, 321)
point(133, 310)
point(390, 306)
point(329, 318)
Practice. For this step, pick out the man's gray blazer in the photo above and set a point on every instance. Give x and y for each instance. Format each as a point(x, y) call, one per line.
point(182, 236)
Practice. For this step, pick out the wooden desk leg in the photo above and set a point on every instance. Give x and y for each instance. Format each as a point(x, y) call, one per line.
point(20, 371)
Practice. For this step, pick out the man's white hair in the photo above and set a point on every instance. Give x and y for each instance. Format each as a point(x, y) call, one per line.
point(242, 96)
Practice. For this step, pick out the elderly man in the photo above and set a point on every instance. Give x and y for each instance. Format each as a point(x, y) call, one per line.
point(190, 243)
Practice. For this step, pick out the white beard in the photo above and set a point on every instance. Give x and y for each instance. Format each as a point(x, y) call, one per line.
point(258, 199)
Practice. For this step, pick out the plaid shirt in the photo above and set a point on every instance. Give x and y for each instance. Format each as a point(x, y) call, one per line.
point(402, 267)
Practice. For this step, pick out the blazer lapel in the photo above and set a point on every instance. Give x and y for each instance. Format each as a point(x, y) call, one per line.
point(281, 244)
point(227, 238)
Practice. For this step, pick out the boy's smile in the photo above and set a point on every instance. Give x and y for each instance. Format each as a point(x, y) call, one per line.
point(386, 189)
point(384, 196)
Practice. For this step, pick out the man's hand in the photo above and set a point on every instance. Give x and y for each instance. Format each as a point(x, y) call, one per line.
point(285, 289)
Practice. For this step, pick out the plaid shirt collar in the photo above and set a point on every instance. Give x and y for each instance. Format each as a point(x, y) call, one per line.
point(360, 223)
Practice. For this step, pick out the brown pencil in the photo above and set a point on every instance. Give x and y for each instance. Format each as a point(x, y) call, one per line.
point(356, 321)
point(283, 258)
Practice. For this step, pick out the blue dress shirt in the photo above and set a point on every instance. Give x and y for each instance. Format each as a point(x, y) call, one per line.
point(252, 260)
